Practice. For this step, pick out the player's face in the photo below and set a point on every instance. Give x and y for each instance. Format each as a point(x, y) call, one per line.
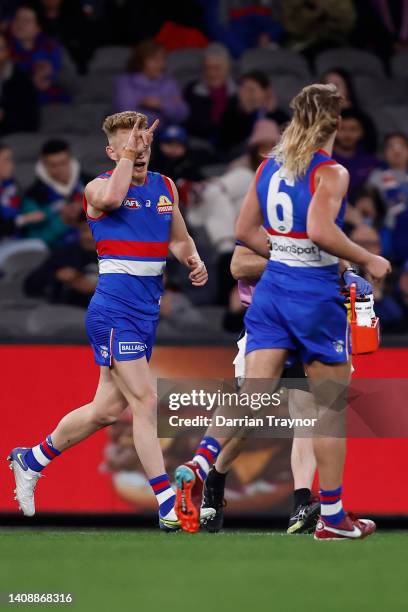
point(116, 149)
point(396, 152)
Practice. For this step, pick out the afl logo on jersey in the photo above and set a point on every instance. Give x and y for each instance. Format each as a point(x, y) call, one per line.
point(131, 203)
point(164, 205)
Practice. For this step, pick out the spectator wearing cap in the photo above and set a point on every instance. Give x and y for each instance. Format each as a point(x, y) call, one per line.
point(19, 111)
point(209, 96)
point(37, 55)
point(264, 137)
point(147, 88)
point(57, 192)
point(256, 99)
point(173, 157)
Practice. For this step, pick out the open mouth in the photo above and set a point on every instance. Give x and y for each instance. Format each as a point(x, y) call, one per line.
point(140, 165)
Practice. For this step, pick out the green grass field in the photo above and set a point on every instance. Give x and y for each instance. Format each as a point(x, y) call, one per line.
point(145, 570)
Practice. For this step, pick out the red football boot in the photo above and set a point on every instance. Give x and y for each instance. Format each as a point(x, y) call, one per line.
point(350, 528)
point(189, 494)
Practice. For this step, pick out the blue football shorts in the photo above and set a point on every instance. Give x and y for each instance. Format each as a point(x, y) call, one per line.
point(313, 325)
point(120, 336)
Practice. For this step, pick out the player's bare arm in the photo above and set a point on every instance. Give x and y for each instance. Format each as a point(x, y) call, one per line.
point(128, 150)
point(183, 248)
point(247, 265)
point(330, 189)
point(249, 228)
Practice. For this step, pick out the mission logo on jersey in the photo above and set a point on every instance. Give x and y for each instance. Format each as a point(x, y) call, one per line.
point(164, 205)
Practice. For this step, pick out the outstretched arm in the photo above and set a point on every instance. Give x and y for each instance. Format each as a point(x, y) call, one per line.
point(183, 248)
point(331, 187)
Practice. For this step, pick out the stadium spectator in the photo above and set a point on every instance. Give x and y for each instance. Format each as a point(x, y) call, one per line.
point(341, 78)
point(209, 96)
point(264, 137)
point(220, 201)
point(147, 88)
point(11, 218)
point(382, 26)
point(392, 183)
point(402, 296)
point(367, 237)
point(350, 149)
point(368, 208)
point(256, 99)
point(66, 21)
point(317, 24)
point(18, 98)
point(57, 192)
point(69, 275)
point(173, 157)
point(241, 25)
point(37, 55)
point(386, 307)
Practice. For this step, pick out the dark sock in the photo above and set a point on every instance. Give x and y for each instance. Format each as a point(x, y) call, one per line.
point(215, 479)
point(301, 497)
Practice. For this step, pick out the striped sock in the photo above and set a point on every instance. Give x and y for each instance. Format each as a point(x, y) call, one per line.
point(206, 455)
point(39, 456)
point(331, 506)
point(164, 493)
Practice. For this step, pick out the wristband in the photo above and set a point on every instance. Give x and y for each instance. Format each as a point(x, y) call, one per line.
point(129, 154)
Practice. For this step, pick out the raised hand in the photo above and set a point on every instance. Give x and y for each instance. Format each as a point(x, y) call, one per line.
point(139, 140)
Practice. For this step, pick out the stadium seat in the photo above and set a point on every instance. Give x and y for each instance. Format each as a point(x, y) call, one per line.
point(56, 320)
point(25, 145)
point(286, 87)
point(399, 65)
point(96, 88)
point(185, 65)
point(355, 61)
point(79, 118)
point(383, 120)
point(275, 62)
point(109, 60)
point(399, 114)
point(17, 259)
point(373, 91)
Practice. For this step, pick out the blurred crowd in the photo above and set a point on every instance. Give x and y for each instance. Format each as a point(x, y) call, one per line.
point(215, 129)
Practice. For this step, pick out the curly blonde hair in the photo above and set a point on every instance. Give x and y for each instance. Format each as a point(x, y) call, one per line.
point(123, 121)
point(316, 111)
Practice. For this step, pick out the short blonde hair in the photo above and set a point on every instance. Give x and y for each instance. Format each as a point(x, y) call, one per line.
point(123, 121)
point(316, 111)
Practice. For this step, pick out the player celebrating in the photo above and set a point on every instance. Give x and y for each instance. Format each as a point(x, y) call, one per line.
point(298, 198)
point(135, 220)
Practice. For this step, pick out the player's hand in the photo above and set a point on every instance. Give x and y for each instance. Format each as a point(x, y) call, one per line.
point(378, 267)
point(140, 140)
point(198, 274)
point(363, 287)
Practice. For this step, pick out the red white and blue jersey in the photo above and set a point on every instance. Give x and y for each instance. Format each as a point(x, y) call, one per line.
point(295, 262)
point(132, 244)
